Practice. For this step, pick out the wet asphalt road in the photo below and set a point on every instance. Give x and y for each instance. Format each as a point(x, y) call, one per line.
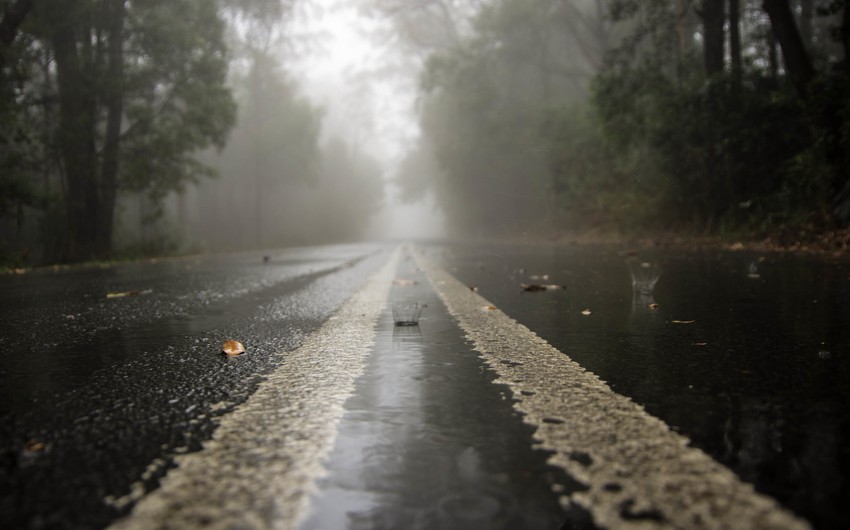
point(97, 394)
point(429, 440)
point(747, 355)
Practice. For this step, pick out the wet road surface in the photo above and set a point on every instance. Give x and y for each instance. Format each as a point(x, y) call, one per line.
point(428, 441)
point(430, 423)
point(745, 354)
point(95, 407)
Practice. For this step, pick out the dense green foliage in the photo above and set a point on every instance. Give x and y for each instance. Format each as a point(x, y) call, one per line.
point(109, 95)
point(628, 115)
point(104, 99)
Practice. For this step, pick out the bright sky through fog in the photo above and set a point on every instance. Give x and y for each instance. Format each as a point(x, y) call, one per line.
point(342, 61)
point(353, 67)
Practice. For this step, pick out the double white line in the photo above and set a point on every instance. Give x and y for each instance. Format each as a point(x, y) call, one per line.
point(260, 467)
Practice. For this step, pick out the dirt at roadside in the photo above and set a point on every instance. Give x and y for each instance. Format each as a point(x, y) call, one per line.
point(833, 242)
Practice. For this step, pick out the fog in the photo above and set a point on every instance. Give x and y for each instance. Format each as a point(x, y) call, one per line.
point(347, 69)
point(200, 126)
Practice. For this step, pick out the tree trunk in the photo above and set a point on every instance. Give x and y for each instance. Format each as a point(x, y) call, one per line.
point(773, 57)
point(797, 61)
point(76, 143)
point(807, 9)
point(713, 19)
point(113, 98)
point(735, 38)
point(845, 35)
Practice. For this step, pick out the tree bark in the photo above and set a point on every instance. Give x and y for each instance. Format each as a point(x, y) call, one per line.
point(845, 35)
point(713, 19)
point(113, 98)
point(76, 142)
point(797, 61)
point(773, 57)
point(735, 39)
point(807, 9)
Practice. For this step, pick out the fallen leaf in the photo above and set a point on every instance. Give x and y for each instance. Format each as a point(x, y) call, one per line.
point(699, 344)
point(682, 321)
point(34, 446)
point(488, 308)
point(535, 287)
point(652, 306)
point(404, 283)
point(232, 348)
point(586, 312)
point(473, 288)
point(122, 294)
point(544, 277)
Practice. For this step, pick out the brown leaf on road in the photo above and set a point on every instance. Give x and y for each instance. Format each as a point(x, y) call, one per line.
point(232, 348)
point(122, 294)
point(536, 287)
point(682, 321)
point(34, 446)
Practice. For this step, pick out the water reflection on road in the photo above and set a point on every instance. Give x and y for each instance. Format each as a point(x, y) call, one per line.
point(428, 442)
point(748, 355)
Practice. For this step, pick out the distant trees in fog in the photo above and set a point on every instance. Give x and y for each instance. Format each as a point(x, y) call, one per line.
point(713, 115)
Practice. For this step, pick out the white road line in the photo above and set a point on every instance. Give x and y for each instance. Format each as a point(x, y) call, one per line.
point(259, 469)
point(639, 473)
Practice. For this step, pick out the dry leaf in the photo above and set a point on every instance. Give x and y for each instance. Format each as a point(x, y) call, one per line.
point(473, 288)
point(652, 306)
point(586, 312)
point(122, 294)
point(232, 348)
point(535, 287)
point(682, 321)
point(34, 446)
point(488, 308)
point(699, 344)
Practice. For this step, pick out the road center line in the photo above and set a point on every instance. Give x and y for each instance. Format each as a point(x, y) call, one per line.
point(638, 472)
point(259, 468)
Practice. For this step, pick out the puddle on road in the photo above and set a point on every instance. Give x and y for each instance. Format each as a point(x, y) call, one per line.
point(428, 441)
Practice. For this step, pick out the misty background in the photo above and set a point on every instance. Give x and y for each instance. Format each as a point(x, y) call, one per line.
point(154, 127)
